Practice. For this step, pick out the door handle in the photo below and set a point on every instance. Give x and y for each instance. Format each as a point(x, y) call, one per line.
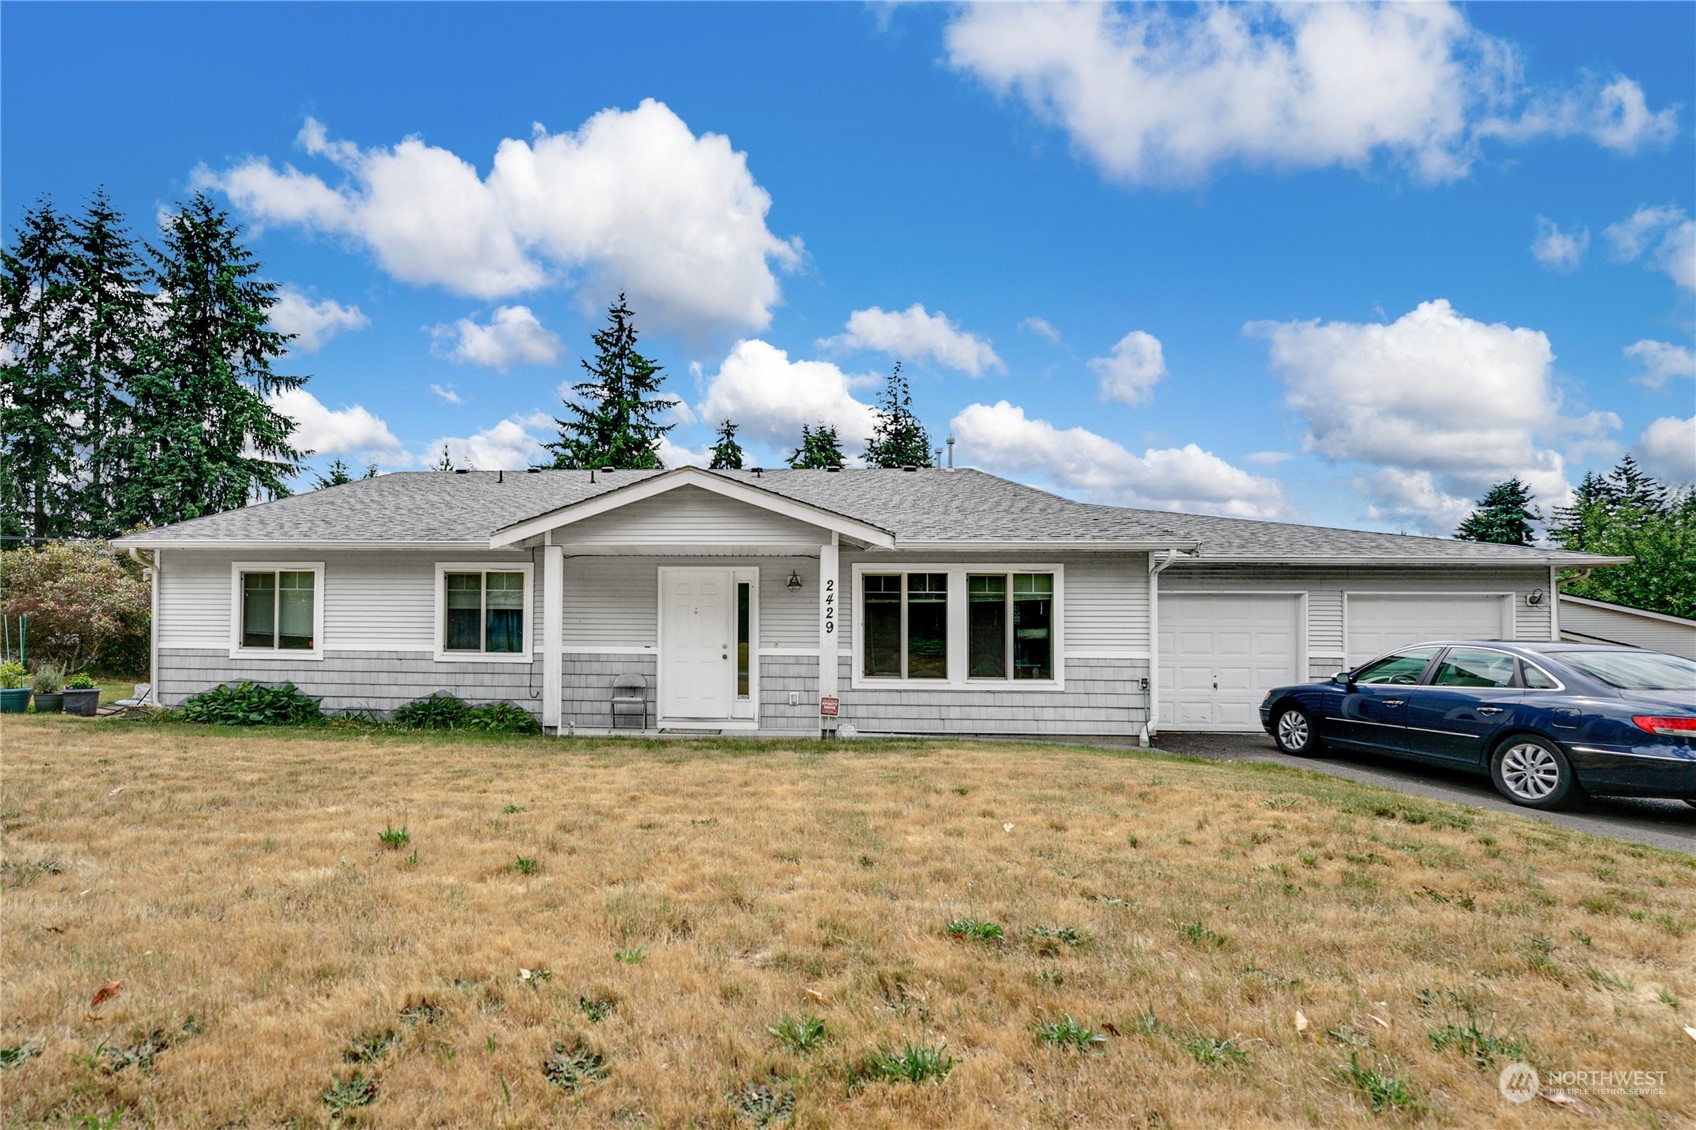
point(1489, 710)
point(1395, 702)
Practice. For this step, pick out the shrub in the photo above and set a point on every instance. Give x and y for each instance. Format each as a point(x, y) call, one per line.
point(49, 678)
point(501, 718)
point(12, 675)
point(82, 600)
point(81, 681)
point(440, 711)
point(252, 704)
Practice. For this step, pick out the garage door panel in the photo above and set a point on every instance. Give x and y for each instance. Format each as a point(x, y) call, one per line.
point(1378, 624)
point(1220, 653)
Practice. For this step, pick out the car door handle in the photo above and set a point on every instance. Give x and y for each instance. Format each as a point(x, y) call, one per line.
point(1395, 702)
point(1489, 710)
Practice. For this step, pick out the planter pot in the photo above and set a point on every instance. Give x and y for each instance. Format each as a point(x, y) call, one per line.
point(82, 701)
point(14, 700)
point(50, 703)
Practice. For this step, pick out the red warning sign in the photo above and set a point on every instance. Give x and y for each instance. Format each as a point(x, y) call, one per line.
point(828, 707)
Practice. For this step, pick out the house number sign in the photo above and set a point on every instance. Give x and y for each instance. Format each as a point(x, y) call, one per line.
point(829, 605)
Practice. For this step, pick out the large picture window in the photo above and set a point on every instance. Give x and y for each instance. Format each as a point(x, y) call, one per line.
point(906, 625)
point(483, 611)
point(1010, 626)
point(959, 623)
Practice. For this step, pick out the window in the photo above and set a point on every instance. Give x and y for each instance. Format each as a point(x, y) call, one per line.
point(1010, 616)
point(483, 611)
point(959, 624)
point(276, 609)
point(1634, 670)
point(906, 625)
point(1474, 667)
point(1399, 670)
point(1536, 678)
point(744, 635)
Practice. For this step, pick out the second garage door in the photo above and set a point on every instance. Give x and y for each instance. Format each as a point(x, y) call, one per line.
point(1221, 653)
point(1378, 623)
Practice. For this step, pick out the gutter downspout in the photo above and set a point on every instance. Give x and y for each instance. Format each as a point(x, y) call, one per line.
point(151, 573)
point(1151, 724)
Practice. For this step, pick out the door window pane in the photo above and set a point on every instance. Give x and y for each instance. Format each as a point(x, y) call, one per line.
point(259, 610)
point(986, 627)
point(294, 610)
point(464, 612)
point(1401, 670)
point(1033, 625)
point(1474, 667)
point(927, 625)
point(881, 611)
point(744, 601)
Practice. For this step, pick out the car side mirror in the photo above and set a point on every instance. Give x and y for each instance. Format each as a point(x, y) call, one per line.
point(1343, 678)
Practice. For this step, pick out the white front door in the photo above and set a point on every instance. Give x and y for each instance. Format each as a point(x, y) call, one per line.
point(1219, 655)
point(697, 644)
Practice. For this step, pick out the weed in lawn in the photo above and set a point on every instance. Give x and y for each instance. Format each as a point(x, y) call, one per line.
point(1308, 858)
point(421, 1012)
point(107, 1121)
point(1210, 1052)
point(512, 810)
point(1464, 901)
point(15, 875)
point(1049, 940)
point(1146, 1024)
point(1667, 997)
point(1053, 978)
point(1483, 1046)
point(1068, 1033)
point(1607, 980)
point(574, 1067)
point(975, 930)
point(525, 865)
point(535, 977)
point(803, 1034)
point(762, 1104)
point(633, 956)
point(369, 1047)
point(18, 1053)
point(596, 1009)
point(347, 1095)
point(1197, 934)
point(912, 1064)
point(1346, 1034)
point(139, 1055)
point(394, 838)
point(1381, 1091)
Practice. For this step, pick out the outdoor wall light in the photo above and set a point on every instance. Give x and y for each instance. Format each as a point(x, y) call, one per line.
point(1535, 598)
point(793, 584)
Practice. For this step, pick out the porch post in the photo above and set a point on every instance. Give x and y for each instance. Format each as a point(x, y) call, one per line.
point(830, 604)
point(553, 632)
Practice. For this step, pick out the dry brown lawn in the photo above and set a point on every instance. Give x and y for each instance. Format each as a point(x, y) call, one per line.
point(692, 895)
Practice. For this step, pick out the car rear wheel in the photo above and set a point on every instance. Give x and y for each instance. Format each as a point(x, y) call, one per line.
point(1294, 732)
point(1532, 772)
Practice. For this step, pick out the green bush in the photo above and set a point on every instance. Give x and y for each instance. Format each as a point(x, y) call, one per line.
point(49, 678)
point(251, 704)
point(81, 681)
point(501, 718)
point(12, 674)
point(85, 603)
point(440, 711)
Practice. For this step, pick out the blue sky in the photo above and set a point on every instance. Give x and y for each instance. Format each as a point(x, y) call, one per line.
point(1347, 265)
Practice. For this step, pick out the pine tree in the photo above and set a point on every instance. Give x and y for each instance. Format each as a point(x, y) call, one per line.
point(613, 423)
point(1632, 487)
point(727, 453)
point(1504, 515)
point(339, 474)
point(1574, 525)
point(1629, 513)
point(202, 437)
point(898, 439)
point(819, 448)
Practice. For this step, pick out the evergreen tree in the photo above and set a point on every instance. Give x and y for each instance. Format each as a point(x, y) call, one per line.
point(1574, 524)
point(201, 436)
point(727, 453)
point(819, 448)
point(339, 474)
point(445, 463)
point(613, 423)
point(898, 439)
point(1632, 487)
point(38, 396)
point(1630, 514)
point(1504, 515)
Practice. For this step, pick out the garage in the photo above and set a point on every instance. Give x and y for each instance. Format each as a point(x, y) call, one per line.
point(1379, 622)
point(1221, 652)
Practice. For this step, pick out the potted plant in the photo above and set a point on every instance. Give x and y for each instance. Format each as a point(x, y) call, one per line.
point(14, 696)
point(82, 695)
point(49, 684)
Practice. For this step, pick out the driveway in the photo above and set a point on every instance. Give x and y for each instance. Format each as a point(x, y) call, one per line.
point(1667, 824)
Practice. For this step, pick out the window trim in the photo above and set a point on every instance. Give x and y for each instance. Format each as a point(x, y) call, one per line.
point(439, 632)
point(273, 654)
point(958, 622)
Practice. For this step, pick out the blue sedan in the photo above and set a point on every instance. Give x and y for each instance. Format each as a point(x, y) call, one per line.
point(1547, 721)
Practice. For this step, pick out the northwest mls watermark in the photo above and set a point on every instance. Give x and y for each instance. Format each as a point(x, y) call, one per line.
point(1520, 1082)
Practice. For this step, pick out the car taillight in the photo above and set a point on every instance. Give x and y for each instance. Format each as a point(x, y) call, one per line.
point(1671, 727)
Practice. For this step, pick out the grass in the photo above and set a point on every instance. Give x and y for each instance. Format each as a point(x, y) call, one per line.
point(237, 878)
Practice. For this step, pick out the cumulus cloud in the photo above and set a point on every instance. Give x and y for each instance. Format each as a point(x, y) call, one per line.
point(1661, 360)
point(632, 200)
point(913, 333)
point(512, 336)
point(1559, 250)
point(510, 445)
point(1667, 448)
point(335, 431)
point(1157, 96)
point(312, 323)
point(1663, 237)
point(1000, 437)
point(1411, 498)
point(675, 455)
point(447, 393)
point(770, 397)
point(1463, 403)
point(1042, 328)
point(1134, 368)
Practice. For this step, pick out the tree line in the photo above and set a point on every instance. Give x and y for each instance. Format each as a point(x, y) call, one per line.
point(1625, 513)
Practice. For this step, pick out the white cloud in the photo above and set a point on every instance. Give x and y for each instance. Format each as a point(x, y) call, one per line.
point(447, 393)
point(632, 200)
point(1000, 437)
point(335, 431)
point(1130, 374)
point(1042, 328)
point(1464, 403)
point(1661, 360)
point(674, 455)
point(1667, 448)
point(770, 397)
point(512, 336)
point(1559, 250)
point(914, 334)
point(1268, 458)
point(510, 445)
point(312, 323)
point(1663, 237)
point(1404, 498)
point(1155, 96)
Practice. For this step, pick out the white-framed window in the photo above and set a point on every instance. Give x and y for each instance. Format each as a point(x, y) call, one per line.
point(277, 610)
point(958, 625)
point(484, 611)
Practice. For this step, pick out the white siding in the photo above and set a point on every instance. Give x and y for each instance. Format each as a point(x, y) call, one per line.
point(688, 516)
point(613, 602)
point(1589, 624)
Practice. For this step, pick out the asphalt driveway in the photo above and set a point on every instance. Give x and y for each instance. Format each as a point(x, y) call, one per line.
point(1658, 823)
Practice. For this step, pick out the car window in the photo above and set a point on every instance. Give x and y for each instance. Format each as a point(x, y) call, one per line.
point(1635, 670)
point(1536, 678)
point(1474, 667)
point(1401, 669)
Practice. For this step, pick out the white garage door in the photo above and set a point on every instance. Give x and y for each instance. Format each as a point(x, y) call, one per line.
point(1377, 624)
point(1221, 653)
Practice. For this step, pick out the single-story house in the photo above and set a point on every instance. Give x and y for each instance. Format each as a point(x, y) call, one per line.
point(1596, 621)
point(912, 601)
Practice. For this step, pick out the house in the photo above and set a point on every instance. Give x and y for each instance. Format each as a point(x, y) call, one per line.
point(921, 601)
point(1596, 621)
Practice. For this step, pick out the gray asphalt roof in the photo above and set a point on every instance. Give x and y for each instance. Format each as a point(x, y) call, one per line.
point(930, 505)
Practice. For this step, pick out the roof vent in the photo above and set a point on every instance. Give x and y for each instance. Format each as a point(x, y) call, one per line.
point(833, 468)
point(910, 467)
point(532, 470)
point(462, 470)
point(756, 471)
